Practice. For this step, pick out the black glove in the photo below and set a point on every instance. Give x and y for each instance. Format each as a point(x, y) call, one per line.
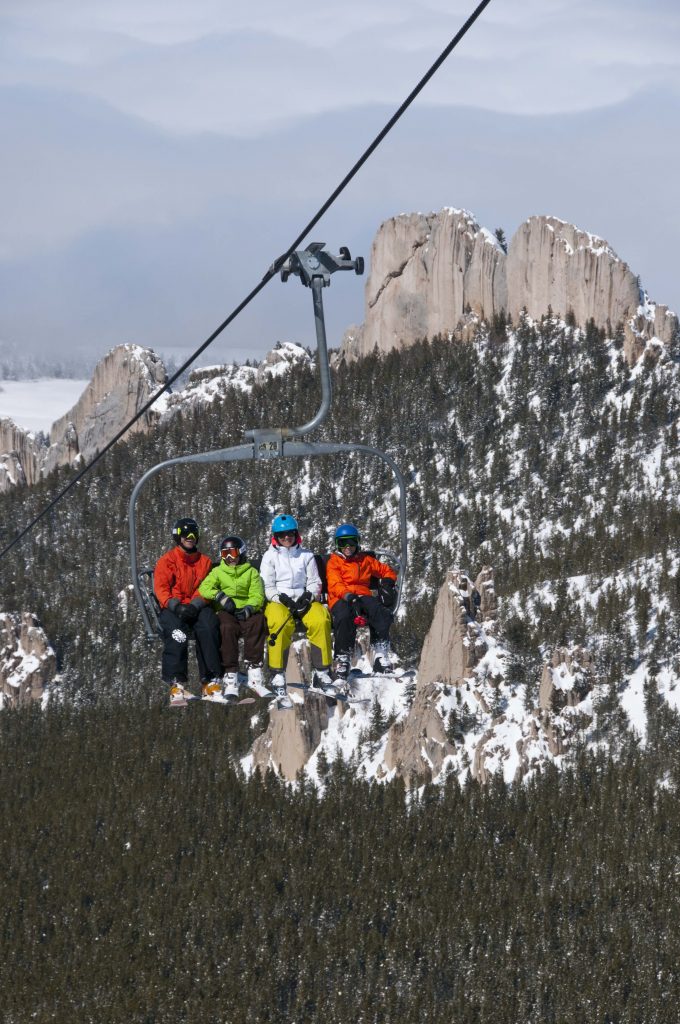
point(387, 592)
point(244, 613)
point(288, 601)
point(303, 604)
point(173, 604)
point(350, 598)
point(187, 613)
point(225, 602)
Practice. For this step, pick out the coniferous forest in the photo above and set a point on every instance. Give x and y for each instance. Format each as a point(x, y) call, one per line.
point(545, 456)
point(145, 879)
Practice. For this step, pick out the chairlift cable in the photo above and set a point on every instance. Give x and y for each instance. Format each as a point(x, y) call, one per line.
point(271, 272)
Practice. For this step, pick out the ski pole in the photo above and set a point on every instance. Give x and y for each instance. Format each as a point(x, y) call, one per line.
point(273, 637)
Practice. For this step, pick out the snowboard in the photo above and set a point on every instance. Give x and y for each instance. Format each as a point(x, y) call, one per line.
point(343, 698)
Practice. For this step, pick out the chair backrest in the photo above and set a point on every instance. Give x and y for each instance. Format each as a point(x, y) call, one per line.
point(321, 563)
point(149, 598)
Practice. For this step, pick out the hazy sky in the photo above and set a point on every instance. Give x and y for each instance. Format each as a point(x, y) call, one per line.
point(157, 156)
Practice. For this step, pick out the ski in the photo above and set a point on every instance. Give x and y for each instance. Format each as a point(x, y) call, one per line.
point(306, 688)
point(395, 673)
point(194, 699)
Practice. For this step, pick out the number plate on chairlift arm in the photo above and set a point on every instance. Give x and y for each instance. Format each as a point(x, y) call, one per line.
point(267, 444)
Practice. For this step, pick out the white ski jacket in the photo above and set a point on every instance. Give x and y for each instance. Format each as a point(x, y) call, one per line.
point(289, 571)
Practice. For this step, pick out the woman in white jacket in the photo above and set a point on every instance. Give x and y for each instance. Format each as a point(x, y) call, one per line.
point(293, 589)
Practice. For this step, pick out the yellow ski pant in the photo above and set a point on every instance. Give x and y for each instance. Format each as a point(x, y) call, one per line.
point(317, 623)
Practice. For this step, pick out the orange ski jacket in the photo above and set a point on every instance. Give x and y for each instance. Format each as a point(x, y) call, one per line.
point(178, 574)
point(353, 575)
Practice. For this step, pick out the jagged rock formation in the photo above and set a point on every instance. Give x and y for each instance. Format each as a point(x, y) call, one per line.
point(565, 682)
point(466, 711)
point(454, 647)
point(553, 264)
point(454, 643)
point(20, 456)
point(426, 270)
point(291, 737)
point(417, 746)
point(440, 273)
point(27, 661)
point(122, 383)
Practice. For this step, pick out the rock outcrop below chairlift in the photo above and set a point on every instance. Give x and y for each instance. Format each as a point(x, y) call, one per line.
point(27, 661)
point(291, 737)
point(440, 274)
point(465, 714)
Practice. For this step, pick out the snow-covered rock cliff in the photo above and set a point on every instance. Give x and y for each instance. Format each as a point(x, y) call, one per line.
point(438, 274)
point(122, 383)
point(27, 660)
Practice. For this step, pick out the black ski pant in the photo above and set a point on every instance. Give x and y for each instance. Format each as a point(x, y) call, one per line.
point(176, 634)
point(345, 630)
point(254, 633)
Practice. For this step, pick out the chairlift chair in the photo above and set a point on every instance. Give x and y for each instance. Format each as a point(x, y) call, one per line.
point(314, 266)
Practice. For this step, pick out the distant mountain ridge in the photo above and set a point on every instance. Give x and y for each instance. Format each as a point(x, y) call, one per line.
point(431, 275)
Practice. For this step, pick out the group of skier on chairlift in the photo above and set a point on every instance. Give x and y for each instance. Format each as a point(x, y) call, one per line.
point(232, 600)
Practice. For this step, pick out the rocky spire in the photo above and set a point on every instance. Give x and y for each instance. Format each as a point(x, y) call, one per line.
point(439, 274)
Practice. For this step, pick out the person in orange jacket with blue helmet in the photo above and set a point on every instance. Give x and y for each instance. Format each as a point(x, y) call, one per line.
point(349, 572)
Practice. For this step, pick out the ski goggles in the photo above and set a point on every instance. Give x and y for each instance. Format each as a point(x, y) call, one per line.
point(346, 542)
point(187, 533)
point(230, 552)
point(285, 533)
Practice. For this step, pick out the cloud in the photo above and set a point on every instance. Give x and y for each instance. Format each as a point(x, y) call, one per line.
point(237, 69)
point(156, 156)
point(168, 279)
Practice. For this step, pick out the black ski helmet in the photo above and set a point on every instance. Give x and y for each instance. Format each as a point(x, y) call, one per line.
point(232, 541)
point(185, 527)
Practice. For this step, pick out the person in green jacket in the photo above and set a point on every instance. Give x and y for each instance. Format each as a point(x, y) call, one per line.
point(236, 591)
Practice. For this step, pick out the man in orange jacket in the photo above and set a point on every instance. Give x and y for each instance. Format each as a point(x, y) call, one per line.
point(348, 574)
point(176, 579)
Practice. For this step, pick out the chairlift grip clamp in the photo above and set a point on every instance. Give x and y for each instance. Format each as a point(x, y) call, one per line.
point(316, 262)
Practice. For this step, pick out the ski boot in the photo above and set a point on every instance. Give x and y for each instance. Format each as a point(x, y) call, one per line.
point(212, 690)
point(230, 687)
point(179, 695)
point(278, 685)
point(256, 681)
point(342, 666)
point(382, 661)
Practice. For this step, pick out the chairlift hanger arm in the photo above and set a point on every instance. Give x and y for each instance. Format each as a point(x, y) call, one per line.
point(314, 266)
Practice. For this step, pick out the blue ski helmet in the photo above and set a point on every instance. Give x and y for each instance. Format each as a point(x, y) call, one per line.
point(347, 532)
point(283, 523)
